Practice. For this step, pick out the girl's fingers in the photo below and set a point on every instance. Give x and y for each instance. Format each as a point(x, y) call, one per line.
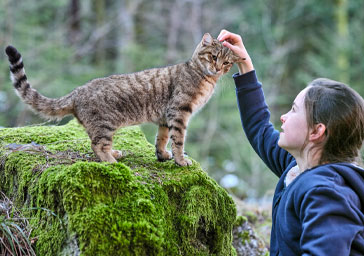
point(224, 37)
point(228, 45)
point(234, 48)
point(231, 38)
point(238, 50)
point(222, 33)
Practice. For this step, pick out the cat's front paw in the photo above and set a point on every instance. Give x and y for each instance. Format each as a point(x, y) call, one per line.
point(183, 162)
point(163, 155)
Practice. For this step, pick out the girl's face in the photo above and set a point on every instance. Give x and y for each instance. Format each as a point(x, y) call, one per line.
point(294, 126)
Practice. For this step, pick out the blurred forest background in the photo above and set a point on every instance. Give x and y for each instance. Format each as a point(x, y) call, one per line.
point(66, 43)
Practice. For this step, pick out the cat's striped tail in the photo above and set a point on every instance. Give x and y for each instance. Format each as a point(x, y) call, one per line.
point(49, 108)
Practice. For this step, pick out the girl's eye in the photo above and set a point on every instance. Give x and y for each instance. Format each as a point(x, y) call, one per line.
point(214, 57)
point(226, 63)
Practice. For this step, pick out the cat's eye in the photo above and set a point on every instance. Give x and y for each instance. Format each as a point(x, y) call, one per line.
point(226, 63)
point(214, 57)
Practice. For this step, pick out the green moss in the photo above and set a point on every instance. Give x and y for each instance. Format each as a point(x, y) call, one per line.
point(245, 236)
point(240, 220)
point(251, 216)
point(138, 206)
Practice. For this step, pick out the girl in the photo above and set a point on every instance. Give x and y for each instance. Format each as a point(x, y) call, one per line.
point(318, 205)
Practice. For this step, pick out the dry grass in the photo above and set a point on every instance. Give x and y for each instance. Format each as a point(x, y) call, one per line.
point(14, 230)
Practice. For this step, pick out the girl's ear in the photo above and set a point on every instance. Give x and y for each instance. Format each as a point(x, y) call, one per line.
point(317, 133)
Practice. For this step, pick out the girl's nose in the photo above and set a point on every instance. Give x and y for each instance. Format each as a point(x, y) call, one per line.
point(283, 118)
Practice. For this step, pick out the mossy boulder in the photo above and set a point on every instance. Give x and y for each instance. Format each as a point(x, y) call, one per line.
point(138, 206)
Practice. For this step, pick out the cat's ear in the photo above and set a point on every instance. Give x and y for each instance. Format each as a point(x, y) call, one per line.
point(207, 39)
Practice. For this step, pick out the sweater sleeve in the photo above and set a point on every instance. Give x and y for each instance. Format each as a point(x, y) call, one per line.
point(329, 223)
point(255, 117)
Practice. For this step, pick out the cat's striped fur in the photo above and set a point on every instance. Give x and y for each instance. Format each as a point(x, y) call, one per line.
point(166, 96)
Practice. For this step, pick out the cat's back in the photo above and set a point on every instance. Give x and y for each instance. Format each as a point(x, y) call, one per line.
point(147, 80)
point(150, 90)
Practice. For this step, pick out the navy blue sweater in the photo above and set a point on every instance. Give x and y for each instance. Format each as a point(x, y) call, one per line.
point(322, 211)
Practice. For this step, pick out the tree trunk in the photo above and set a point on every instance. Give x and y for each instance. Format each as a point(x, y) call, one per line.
point(342, 41)
point(74, 24)
point(100, 12)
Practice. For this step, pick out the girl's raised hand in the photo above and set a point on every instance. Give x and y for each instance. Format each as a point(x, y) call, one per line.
point(235, 43)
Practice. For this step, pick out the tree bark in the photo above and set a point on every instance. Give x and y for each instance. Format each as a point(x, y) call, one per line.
point(74, 24)
point(100, 12)
point(342, 41)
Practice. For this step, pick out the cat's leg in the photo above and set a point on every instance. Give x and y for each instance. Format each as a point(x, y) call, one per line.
point(101, 144)
point(161, 142)
point(177, 133)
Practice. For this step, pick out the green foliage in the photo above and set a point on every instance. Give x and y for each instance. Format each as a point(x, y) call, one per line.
point(138, 58)
point(138, 206)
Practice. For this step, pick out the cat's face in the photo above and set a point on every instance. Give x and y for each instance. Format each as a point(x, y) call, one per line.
point(214, 57)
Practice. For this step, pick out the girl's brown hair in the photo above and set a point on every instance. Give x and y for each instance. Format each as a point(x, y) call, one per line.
point(341, 110)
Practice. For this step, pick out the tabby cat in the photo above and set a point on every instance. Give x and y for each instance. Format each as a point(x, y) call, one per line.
point(166, 96)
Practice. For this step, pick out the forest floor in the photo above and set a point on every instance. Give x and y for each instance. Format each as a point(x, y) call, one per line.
point(259, 215)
